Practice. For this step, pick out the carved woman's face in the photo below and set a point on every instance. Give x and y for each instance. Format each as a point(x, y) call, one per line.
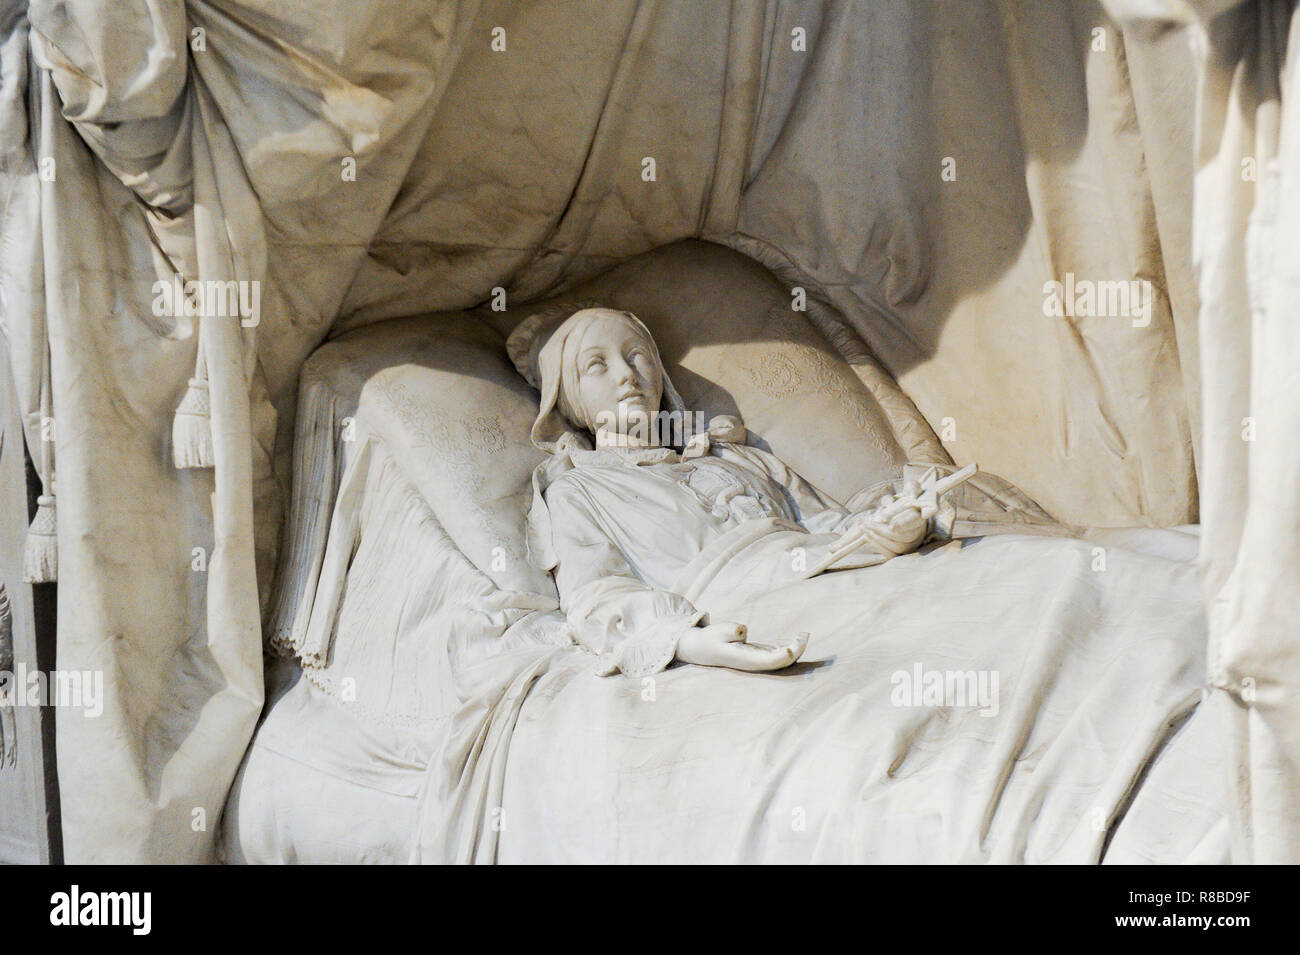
point(620, 383)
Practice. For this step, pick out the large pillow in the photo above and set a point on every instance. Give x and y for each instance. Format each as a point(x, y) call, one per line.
point(734, 344)
point(440, 396)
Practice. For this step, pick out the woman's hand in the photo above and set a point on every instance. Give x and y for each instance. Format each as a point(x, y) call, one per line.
point(725, 645)
point(899, 534)
point(906, 530)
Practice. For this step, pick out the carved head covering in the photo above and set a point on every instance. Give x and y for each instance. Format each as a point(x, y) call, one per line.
point(544, 348)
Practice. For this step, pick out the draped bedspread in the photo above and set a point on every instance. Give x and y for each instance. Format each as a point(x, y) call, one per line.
point(1066, 729)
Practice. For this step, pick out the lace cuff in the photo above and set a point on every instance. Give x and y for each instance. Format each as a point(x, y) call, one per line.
point(648, 652)
point(631, 627)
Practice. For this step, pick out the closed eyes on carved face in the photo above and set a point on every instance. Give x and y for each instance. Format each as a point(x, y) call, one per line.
point(620, 383)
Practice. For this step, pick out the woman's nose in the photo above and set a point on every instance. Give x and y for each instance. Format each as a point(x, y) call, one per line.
point(625, 373)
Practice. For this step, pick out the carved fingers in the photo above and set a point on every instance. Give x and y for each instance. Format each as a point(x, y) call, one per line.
point(726, 645)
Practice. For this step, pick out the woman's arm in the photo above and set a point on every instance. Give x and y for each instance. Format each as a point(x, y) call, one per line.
point(817, 512)
point(630, 625)
point(635, 628)
point(820, 514)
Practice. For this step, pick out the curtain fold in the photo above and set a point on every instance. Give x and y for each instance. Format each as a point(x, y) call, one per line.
point(1247, 204)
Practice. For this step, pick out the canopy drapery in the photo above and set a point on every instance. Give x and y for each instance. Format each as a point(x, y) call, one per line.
point(923, 168)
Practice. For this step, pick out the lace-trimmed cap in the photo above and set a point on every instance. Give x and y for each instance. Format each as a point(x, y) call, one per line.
point(532, 333)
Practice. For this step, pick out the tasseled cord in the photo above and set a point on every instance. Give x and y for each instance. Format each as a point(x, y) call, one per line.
point(41, 551)
point(192, 423)
point(8, 727)
point(41, 554)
